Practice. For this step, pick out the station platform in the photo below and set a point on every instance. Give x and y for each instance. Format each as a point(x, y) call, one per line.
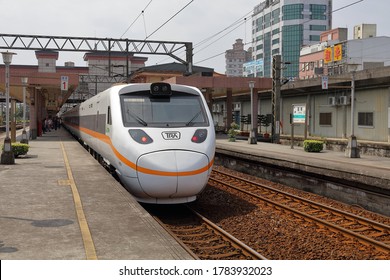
point(368, 176)
point(58, 202)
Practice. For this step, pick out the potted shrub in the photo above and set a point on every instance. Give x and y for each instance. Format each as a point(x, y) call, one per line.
point(313, 146)
point(233, 131)
point(265, 121)
point(18, 149)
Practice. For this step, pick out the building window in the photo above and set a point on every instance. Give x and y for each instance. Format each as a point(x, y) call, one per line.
point(292, 40)
point(326, 119)
point(318, 12)
point(315, 38)
point(293, 11)
point(318, 27)
point(276, 16)
point(366, 119)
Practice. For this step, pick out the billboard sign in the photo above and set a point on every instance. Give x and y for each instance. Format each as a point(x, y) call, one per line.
point(338, 52)
point(253, 67)
point(328, 55)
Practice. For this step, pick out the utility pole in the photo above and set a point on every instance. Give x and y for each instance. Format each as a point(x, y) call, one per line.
point(275, 99)
point(253, 132)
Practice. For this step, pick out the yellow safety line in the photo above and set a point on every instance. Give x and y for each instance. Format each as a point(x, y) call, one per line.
point(89, 246)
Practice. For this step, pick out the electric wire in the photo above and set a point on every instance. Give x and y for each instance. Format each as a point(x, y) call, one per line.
point(257, 40)
point(141, 14)
point(162, 25)
point(239, 21)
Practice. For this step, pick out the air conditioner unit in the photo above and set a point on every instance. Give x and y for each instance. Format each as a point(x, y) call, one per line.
point(332, 100)
point(237, 107)
point(344, 100)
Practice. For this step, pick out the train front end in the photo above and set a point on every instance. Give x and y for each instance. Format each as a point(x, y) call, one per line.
point(171, 143)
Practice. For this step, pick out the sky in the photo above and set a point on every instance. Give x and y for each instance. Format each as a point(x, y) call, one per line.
point(205, 23)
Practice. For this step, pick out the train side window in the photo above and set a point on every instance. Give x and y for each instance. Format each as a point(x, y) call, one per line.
point(109, 121)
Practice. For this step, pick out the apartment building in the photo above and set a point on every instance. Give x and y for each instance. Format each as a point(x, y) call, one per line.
point(283, 27)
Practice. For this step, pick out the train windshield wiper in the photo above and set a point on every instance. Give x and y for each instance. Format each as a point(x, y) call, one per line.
point(191, 122)
point(137, 118)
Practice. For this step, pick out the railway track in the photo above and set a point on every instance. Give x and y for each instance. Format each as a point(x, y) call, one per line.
point(355, 227)
point(200, 237)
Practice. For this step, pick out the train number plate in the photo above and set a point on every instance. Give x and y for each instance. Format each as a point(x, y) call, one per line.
point(171, 135)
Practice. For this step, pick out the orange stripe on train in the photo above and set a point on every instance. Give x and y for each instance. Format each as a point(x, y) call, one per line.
point(107, 140)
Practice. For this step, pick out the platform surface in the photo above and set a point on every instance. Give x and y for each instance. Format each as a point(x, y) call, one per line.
point(57, 202)
point(372, 171)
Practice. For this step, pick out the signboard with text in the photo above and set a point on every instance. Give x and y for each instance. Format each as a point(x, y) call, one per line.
point(337, 52)
point(333, 54)
point(299, 113)
point(64, 83)
point(328, 55)
point(253, 67)
point(324, 82)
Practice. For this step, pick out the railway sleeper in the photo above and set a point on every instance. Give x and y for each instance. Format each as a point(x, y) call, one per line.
point(220, 256)
point(208, 241)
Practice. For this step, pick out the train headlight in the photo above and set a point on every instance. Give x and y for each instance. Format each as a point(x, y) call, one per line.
point(160, 89)
point(199, 136)
point(140, 136)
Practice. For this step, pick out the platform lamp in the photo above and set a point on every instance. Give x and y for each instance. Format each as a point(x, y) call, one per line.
point(253, 133)
point(24, 133)
point(7, 156)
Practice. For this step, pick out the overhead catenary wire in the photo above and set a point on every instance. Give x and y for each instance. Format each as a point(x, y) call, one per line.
point(239, 21)
point(162, 25)
point(223, 30)
point(219, 38)
point(141, 14)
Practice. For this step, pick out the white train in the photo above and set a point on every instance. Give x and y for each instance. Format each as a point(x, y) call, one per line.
point(158, 137)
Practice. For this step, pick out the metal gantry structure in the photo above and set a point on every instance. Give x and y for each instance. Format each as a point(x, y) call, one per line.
point(109, 46)
point(91, 44)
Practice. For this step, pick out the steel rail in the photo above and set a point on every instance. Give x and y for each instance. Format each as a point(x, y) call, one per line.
point(362, 220)
point(333, 227)
point(238, 244)
point(214, 233)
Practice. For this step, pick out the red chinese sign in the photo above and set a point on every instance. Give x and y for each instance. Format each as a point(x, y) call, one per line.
point(338, 52)
point(328, 55)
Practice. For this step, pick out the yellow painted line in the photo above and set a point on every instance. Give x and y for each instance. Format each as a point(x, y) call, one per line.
point(89, 246)
point(64, 182)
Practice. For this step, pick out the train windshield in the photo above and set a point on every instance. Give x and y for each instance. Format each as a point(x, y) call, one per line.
point(179, 110)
